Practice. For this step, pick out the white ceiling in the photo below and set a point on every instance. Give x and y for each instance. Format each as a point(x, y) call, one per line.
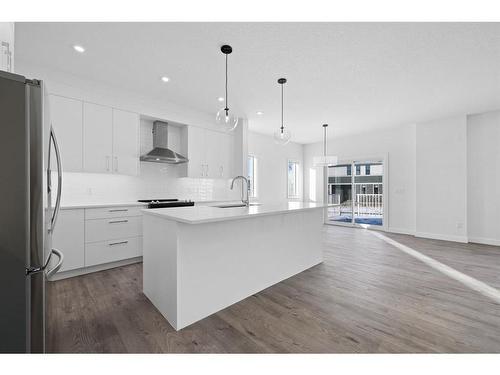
point(355, 76)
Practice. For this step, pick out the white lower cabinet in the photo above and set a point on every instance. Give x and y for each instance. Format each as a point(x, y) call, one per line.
point(111, 212)
point(97, 236)
point(112, 251)
point(68, 237)
point(113, 228)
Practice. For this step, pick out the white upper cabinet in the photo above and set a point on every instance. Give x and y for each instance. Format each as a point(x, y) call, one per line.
point(196, 152)
point(225, 162)
point(125, 142)
point(97, 138)
point(110, 140)
point(212, 152)
point(209, 153)
point(66, 115)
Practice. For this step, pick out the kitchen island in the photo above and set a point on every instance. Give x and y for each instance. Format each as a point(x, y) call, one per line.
point(199, 260)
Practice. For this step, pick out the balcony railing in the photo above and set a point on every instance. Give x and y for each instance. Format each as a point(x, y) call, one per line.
point(369, 204)
point(365, 204)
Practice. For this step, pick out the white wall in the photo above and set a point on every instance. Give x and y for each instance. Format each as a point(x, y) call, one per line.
point(483, 176)
point(398, 144)
point(272, 166)
point(155, 180)
point(441, 178)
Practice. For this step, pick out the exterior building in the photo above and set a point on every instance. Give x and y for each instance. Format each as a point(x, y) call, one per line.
point(367, 180)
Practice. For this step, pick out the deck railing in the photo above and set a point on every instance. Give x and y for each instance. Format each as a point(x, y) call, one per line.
point(364, 204)
point(369, 204)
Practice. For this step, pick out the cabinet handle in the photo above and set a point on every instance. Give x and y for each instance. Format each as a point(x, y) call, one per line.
point(119, 210)
point(118, 243)
point(107, 163)
point(117, 221)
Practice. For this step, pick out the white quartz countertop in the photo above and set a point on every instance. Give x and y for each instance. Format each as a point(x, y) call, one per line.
point(208, 214)
point(75, 205)
point(70, 206)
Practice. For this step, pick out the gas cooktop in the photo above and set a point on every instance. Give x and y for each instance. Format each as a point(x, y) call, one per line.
point(162, 203)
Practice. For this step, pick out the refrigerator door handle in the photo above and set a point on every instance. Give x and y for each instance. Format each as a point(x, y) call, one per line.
point(59, 180)
point(33, 270)
point(59, 263)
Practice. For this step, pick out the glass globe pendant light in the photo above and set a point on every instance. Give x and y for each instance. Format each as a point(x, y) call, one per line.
point(325, 160)
point(223, 118)
point(282, 136)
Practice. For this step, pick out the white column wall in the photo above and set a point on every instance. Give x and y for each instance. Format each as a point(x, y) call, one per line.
point(483, 176)
point(441, 179)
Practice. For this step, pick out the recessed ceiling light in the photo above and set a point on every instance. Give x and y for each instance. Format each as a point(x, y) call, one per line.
point(165, 79)
point(260, 113)
point(78, 48)
point(220, 99)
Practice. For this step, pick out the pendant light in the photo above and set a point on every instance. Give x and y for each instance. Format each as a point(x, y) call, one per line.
point(325, 160)
point(223, 117)
point(282, 136)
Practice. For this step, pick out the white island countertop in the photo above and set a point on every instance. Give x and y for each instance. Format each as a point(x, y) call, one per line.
point(209, 214)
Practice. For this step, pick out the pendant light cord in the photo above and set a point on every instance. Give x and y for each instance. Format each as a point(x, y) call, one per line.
point(227, 109)
point(324, 141)
point(282, 127)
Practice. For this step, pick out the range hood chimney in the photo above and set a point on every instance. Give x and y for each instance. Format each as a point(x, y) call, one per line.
point(160, 152)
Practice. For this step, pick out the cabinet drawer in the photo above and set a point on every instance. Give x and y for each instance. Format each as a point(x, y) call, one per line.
point(110, 229)
point(112, 251)
point(109, 212)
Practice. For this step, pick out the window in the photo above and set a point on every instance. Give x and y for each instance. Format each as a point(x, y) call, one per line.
point(375, 189)
point(358, 169)
point(367, 169)
point(252, 176)
point(349, 170)
point(293, 179)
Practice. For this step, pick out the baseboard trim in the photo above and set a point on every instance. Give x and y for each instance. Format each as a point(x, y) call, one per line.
point(484, 241)
point(443, 237)
point(99, 267)
point(401, 231)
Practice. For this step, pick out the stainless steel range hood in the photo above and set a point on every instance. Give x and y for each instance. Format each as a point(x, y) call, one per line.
point(160, 152)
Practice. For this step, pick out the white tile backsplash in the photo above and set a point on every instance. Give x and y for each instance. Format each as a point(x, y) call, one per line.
point(155, 181)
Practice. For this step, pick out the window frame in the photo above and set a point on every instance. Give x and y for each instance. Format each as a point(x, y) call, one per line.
point(254, 188)
point(297, 180)
point(357, 168)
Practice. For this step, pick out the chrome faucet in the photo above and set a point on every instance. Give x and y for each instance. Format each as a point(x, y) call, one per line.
point(247, 200)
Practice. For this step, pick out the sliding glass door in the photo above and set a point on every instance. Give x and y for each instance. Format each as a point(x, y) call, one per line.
point(355, 194)
point(339, 194)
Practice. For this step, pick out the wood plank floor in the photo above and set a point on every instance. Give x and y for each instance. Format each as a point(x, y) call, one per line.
point(367, 297)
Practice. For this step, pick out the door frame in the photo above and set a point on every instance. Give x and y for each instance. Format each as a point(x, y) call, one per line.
point(384, 157)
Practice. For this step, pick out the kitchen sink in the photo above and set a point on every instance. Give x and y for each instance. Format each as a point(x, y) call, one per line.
point(236, 205)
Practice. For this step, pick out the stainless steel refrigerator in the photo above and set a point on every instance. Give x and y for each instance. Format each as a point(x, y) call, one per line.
point(28, 152)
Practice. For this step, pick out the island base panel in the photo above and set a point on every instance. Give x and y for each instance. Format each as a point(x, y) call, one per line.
point(214, 265)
